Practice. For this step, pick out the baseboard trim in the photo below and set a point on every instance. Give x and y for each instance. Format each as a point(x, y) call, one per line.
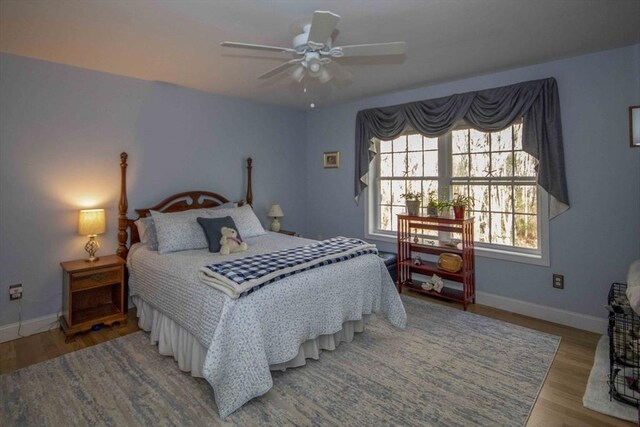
point(555, 315)
point(29, 327)
point(33, 326)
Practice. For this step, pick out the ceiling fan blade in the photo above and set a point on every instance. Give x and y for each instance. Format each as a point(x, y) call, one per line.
point(375, 49)
point(322, 26)
point(280, 68)
point(257, 47)
point(338, 71)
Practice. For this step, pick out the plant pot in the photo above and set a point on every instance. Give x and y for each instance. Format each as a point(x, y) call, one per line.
point(458, 212)
point(432, 210)
point(413, 207)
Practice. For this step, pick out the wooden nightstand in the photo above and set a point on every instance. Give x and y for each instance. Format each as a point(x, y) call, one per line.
point(93, 293)
point(289, 233)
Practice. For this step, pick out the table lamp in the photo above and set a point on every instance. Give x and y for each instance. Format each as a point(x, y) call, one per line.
point(91, 222)
point(275, 212)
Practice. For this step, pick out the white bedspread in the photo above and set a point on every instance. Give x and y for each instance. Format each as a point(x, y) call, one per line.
point(246, 336)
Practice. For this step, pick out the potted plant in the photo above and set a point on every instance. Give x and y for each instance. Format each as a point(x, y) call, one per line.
point(459, 204)
point(412, 200)
point(434, 205)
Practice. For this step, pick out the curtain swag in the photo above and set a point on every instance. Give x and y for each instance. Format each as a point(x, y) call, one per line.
point(490, 110)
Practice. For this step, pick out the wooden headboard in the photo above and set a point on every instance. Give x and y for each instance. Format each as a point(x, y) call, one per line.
point(175, 203)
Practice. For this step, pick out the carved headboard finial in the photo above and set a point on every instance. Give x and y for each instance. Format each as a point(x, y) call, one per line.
point(123, 206)
point(249, 189)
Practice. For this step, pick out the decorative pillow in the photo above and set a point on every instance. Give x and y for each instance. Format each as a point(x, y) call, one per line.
point(179, 231)
point(142, 230)
point(147, 233)
point(244, 217)
point(212, 227)
point(633, 277)
point(151, 235)
point(633, 286)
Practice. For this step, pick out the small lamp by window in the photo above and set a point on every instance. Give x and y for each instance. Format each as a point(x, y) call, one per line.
point(91, 222)
point(275, 212)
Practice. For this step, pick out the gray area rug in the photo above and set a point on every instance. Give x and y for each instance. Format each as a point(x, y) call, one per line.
point(447, 368)
point(596, 396)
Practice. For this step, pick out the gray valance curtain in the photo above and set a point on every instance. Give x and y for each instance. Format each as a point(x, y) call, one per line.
point(488, 110)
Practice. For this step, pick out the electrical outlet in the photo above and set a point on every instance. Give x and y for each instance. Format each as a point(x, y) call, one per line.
point(558, 281)
point(15, 291)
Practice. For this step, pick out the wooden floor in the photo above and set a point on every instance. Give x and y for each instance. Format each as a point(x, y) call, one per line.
point(559, 403)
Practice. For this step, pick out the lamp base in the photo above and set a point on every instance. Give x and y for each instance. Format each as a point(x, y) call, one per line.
point(275, 225)
point(92, 247)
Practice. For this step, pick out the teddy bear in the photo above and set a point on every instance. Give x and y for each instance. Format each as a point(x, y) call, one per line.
point(229, 242)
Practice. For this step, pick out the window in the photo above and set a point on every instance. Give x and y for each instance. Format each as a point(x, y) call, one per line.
point(509, 208)
point(408, 163)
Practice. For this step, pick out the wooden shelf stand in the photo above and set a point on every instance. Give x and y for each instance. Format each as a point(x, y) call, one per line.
point(411, 240)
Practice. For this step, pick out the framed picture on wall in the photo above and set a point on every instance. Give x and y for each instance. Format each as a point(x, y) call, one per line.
point(331, 159)
point(634, 125)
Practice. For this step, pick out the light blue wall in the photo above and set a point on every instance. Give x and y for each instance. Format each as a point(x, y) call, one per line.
point(62, 128)
point(592, 244)
point(61, 132)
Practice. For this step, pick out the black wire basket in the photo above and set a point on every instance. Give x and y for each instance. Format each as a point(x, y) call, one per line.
point(624, 347)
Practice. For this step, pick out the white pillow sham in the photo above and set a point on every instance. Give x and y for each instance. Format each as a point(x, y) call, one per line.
point(180, 231)
point(246, 220)
point(142, 230)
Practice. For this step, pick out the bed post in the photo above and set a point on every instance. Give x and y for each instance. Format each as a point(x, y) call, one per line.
point(249, 190)
point(122, 209)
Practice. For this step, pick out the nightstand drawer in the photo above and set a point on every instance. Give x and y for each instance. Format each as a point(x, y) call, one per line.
point(91, 279)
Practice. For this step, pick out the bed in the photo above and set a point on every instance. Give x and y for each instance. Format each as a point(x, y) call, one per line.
point(235, 343)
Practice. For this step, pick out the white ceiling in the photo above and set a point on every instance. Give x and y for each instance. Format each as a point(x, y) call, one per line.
point(177, 41)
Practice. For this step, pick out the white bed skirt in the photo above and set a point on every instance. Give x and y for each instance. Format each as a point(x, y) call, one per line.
point(173, 340)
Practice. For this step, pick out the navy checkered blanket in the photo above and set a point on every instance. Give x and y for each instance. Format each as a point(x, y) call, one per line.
point(243, 276)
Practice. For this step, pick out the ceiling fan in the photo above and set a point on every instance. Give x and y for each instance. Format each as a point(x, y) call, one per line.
point(314, 51)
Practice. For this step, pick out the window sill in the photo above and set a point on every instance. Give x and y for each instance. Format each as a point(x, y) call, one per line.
point(501, 254)
point(525, 258)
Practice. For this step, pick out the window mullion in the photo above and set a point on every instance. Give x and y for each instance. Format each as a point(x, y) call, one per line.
point(377, 202)
point(422, 154)
point(445, 164)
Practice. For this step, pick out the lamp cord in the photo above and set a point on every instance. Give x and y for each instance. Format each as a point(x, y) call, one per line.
point(20, 318)
point(51, 325)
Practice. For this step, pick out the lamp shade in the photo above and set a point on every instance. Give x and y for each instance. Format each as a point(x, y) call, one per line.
point(91, 222)
point(275, 212)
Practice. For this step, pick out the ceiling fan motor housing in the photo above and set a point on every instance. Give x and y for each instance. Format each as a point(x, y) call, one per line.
point(301, 42)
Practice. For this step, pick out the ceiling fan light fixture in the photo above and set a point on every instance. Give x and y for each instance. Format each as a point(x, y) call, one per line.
point(314, 67)
point(298, 73)
point(313, 63)
point(324, 76)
